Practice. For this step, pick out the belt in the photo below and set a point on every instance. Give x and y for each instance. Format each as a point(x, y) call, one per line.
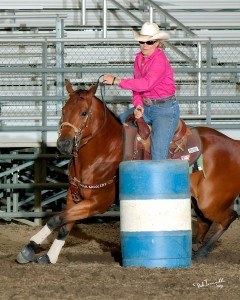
point(150, 102)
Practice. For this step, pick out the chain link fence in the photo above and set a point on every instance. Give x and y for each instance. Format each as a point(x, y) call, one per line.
point(201, 70)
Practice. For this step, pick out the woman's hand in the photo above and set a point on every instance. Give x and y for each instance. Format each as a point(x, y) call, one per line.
point(108, 79)
point(138, 112)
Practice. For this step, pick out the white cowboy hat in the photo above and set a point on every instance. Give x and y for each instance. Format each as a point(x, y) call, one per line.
point(149, 32)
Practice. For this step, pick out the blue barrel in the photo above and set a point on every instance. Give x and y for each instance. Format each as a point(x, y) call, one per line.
point(155, 214)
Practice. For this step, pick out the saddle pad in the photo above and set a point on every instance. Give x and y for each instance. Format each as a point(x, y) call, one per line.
point(193, 148)
point(191, 153)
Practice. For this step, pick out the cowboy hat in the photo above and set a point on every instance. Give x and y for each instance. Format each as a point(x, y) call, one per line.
point(149, 32)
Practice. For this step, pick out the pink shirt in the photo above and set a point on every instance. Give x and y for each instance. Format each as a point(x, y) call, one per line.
point(155, 79)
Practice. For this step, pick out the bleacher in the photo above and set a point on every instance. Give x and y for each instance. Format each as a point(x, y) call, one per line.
point(203, 18)
point(82, 23)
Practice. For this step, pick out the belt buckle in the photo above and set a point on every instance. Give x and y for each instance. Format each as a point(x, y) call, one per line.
point(147, 102)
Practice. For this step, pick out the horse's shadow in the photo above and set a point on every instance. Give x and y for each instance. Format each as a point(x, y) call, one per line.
point(112, 248)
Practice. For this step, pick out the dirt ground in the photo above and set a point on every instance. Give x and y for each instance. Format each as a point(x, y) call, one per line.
point(89, 267)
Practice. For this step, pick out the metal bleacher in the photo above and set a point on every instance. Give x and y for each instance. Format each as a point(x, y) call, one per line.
point(86, 21)
point(85, 18)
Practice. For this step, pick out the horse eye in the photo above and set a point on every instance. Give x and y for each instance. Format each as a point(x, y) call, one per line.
point(84, 113)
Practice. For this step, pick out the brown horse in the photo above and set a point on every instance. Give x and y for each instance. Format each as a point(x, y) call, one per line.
point(91, 132)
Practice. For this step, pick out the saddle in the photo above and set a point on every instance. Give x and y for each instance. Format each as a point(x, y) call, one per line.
point(185, 145)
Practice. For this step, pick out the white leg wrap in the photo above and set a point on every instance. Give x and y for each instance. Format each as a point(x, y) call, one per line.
point(41, 235)
point(54, 251)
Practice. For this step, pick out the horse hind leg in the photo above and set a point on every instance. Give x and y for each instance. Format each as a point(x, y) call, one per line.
point(208, 246)
point(203, 224)
point(202, 230)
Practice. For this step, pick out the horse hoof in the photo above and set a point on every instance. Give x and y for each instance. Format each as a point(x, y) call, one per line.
point(195, 247)
point(26, 255)
point(43, 260)
point(200, 256)
point(196, 258)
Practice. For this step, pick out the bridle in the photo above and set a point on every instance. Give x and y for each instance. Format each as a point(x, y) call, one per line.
point(78, 143)
point(78, 132)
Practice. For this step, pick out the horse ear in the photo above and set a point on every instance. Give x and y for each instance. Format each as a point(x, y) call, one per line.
point(68, 87)
point(93, 88)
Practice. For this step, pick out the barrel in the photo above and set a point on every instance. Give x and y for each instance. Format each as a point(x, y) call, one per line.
point(155, 214)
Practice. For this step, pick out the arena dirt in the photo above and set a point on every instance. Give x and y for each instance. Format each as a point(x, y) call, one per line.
point(89, 267)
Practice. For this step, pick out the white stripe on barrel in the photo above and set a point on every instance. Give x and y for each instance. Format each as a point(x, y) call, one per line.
point(155, 213)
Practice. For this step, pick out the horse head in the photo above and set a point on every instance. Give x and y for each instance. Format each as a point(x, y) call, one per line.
point(76, 114)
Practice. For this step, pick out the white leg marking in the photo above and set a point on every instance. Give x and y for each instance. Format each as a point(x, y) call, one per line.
point(54, 251)
point(41, 235)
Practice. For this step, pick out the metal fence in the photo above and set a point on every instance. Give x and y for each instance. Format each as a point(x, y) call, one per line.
point(32, 93)
point(205, 71)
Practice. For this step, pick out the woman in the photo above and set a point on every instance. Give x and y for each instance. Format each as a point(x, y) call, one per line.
point(153, 88)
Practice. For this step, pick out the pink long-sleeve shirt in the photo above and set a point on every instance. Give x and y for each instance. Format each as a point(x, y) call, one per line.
point(155, 79)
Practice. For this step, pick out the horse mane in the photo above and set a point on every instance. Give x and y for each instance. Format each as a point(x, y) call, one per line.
point(112, 113)
point(80, 91)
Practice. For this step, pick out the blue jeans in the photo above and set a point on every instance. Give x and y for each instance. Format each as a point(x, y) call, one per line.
point(164, 120)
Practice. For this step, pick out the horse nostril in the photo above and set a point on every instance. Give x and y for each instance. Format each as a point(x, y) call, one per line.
point(65, 145)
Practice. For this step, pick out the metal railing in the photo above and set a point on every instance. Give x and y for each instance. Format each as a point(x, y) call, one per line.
point(32, 93)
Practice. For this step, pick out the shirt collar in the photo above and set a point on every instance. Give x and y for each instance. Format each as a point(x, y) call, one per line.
point(139, 54)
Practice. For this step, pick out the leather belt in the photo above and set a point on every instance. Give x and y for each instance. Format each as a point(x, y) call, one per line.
point(150, 102)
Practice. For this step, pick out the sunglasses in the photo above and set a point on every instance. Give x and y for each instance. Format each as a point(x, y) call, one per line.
point(148, 42)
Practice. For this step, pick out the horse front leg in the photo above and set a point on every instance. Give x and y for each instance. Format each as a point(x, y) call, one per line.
point(52, 255)
point(64, 221)
point(28, 252)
